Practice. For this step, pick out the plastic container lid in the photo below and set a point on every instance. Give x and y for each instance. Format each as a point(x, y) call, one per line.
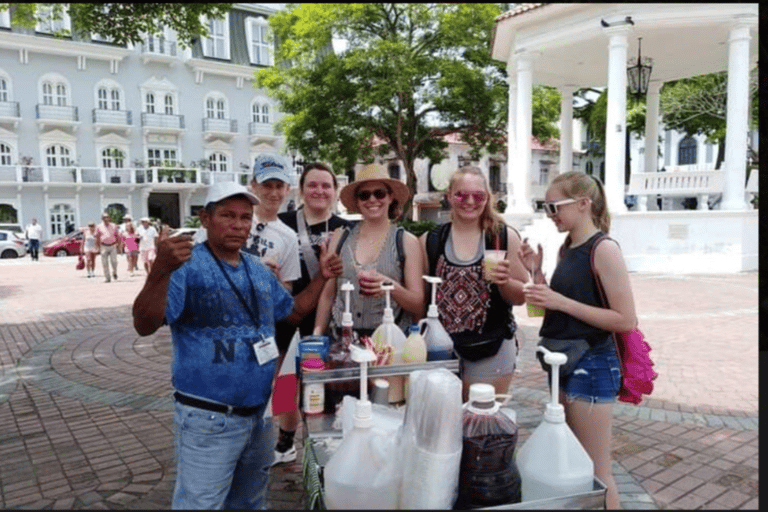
point(313, 365)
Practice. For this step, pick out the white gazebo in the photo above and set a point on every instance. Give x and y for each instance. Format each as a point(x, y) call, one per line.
point(573, 45)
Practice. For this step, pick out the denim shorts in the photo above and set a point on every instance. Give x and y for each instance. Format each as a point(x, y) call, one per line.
point(597, 377)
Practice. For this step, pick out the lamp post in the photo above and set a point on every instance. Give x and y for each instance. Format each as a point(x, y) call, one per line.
point(639, 73)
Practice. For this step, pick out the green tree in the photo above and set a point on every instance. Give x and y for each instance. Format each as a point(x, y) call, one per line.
point(411, 74)
point(698, 105)
point(122, 23)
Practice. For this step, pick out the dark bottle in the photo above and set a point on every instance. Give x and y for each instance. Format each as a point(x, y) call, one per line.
point(488, 475)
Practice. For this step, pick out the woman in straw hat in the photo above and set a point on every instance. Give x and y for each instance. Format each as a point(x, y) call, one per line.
point(372, 250)
point(474, 303)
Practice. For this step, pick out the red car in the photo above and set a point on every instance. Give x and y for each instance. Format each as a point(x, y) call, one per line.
point(68, 245)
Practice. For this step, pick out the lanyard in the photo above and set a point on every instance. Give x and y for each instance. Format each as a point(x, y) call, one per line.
point(254, 315)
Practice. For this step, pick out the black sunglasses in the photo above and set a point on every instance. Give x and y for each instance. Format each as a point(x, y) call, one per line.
point(379, 193)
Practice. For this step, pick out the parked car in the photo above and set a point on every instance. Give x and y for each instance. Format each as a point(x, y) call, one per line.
point(68, 245)
point(12, 245)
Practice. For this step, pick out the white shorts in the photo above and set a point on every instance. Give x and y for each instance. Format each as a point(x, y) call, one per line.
point(502, 363)
point(147, 255)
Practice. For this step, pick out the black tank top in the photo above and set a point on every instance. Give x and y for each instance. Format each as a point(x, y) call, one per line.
point(573, 278)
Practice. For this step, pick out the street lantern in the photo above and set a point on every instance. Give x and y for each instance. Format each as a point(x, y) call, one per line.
point(639, 73)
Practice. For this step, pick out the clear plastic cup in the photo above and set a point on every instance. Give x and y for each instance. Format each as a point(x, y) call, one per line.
point(534, 311)
point(491, 260)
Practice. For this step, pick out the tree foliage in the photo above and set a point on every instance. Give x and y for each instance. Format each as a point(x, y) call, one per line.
point(411, 73)
point(122, 23)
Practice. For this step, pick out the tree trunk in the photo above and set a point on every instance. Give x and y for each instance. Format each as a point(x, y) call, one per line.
point(411, 184)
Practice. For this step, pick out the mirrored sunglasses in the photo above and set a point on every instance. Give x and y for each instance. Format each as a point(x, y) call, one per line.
point(462, 196)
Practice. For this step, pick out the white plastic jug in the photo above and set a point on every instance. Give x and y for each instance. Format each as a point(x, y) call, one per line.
point(390, 333)
point(362, 474)
point(439, 342)
point(552, 462)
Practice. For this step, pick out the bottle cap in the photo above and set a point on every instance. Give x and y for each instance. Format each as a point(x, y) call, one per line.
point(480, 392)
point(414, 328)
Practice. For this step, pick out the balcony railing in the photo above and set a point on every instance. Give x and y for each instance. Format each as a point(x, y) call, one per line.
point(162, 121)
point(260, 129)
point(56, 112)
point(219, 125)
point(113, 117)
point(10, 109)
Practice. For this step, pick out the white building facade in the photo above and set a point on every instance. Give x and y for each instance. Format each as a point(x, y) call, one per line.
point(87, 126)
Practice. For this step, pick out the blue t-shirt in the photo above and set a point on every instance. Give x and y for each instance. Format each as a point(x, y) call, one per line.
point(213, 334)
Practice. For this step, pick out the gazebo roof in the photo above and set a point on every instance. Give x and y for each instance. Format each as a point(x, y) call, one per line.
point(568, 42)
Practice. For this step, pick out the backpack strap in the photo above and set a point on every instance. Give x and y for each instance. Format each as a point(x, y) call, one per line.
point(399, 246)
point(436, 239)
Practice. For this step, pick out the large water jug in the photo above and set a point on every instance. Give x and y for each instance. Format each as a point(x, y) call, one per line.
point(439, 342)
point(488, 475)
point(552, 461)
point(362, 474)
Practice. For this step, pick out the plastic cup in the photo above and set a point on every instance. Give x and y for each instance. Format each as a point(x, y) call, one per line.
point(364, 273)
point(491, 261)
point(534, 311)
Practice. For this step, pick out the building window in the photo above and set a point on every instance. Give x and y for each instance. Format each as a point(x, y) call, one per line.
point(494, 172)
point(602, 172)
point(218, 162)
point(257, 31)
point(686, 151)
point(5, 18)
point(62, 215)
point(5, 154)
point(103, 103)
point(215, 108)
point(112, 158)
point(4, 89)
point(543, 174)
point(169, 104)
point(161, 157)
point(150, 103)
point(109, 97)
point(57, 156)
point(217, 43)
point(394, 171)
point(48, 25)
point(260, 112)
point(589, 167)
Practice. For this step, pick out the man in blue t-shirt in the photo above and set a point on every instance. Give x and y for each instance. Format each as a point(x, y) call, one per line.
point(221, 305)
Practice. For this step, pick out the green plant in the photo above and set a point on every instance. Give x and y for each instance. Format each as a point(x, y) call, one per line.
point(417, 227)
point(501, 205)
point(192, 222)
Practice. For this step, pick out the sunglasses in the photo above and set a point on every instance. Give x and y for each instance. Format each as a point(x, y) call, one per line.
point(552, 207)
point(365, 195)
point(463, 197)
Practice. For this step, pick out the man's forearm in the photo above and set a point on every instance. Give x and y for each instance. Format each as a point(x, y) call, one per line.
point(149, 306)
point(306, 300)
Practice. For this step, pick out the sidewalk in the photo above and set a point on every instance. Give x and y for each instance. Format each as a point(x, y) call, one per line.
point(86, 421)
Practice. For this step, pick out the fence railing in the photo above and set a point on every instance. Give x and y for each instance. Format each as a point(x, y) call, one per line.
point(160, 176)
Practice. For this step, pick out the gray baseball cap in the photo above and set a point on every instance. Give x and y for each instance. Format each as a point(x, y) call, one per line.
point(271, 166)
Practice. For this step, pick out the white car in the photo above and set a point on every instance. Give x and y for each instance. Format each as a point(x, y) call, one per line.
point(12, 244)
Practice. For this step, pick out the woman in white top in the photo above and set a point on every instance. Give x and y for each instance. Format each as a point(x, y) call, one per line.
point(88, 249)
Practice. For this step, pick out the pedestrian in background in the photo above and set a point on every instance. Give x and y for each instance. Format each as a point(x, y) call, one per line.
point(34, 233)
point(121, 227)
point(147, 236)
point(576, 203)
point(107, 241)
point(131, 247)
point(88, 248)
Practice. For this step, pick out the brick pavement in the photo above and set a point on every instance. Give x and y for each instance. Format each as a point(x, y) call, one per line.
point(86, 422)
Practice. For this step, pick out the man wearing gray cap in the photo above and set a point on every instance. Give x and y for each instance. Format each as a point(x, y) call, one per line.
point(221, 305)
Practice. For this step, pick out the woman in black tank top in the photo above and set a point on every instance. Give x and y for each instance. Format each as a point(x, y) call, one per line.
point(576, 203)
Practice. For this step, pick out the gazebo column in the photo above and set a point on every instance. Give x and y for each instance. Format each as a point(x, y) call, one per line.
point(616, 118)
point(651, 136)
point(523, 121)
point(515, 179)
point(566, 128)
point(737, 120)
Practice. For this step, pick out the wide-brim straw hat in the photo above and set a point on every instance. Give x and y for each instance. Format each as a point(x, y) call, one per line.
point(372, 172)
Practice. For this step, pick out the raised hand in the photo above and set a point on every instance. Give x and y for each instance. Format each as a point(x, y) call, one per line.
point(531, 260)
point(172, 251)
point(330, 263)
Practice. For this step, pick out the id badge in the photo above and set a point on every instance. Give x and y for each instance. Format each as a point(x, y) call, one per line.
point(265, 350)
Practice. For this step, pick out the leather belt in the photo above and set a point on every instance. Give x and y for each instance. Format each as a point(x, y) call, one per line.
point(210, 406)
